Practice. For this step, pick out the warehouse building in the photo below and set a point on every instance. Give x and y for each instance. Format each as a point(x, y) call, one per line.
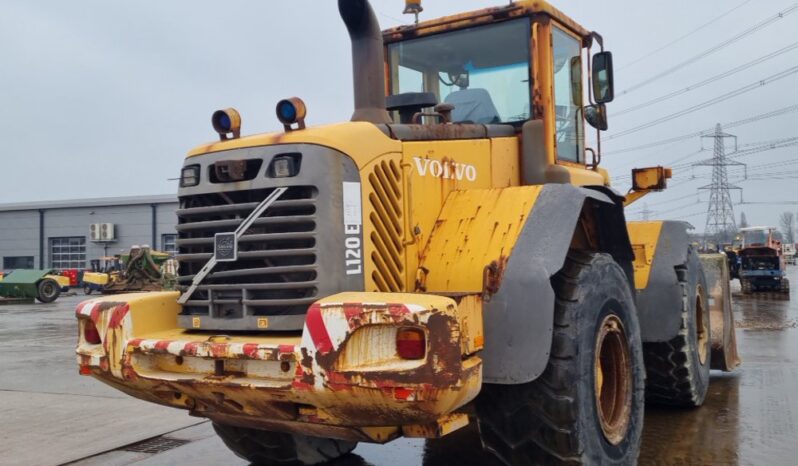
point(70, 234)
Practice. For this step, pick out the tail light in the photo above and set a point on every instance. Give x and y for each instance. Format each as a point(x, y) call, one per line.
point(90, 333)
point(411, 343)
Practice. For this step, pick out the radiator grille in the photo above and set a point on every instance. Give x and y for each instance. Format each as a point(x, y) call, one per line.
point(386, 220)
point(277, 269)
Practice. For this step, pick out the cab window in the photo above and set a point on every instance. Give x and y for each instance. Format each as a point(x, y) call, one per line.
point(483, 71)
point(567, 67)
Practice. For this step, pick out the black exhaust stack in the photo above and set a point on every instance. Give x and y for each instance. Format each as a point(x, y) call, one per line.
point(367, 60)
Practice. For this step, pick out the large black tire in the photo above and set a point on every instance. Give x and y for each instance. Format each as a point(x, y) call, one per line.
point(560, 418)
point(87, 289)
point(280, 449)
point(678, 370)
point(48, 290)
point(785, 286)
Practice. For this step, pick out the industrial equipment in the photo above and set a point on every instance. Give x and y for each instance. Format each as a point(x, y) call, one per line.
point(43, 285)
point(460, 259)
point(138, 270)
point(762, 264)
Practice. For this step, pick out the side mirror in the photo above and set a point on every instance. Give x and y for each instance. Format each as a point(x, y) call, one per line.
point(596, 116)
point(603, 85)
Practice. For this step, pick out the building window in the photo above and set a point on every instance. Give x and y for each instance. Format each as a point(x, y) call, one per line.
point(169, 244)
point(68, 253)
point(19, 262)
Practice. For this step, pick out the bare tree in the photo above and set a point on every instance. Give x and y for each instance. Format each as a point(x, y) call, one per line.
point(787, 222)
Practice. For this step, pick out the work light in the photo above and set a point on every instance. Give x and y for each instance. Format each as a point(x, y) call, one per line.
point(285, 166)
point(290, 111)
point(190, 176)
point(227, 122)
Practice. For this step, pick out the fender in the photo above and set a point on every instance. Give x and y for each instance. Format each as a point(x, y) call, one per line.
point(507, 244)
point(660, 247)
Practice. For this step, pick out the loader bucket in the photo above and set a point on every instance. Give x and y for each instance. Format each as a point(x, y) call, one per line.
point(724, 342)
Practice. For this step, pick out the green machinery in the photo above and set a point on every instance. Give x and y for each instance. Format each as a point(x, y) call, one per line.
point(43, 285)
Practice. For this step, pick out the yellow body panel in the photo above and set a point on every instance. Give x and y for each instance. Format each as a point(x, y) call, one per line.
point(644, 237)
point(436, 168)
point(475, 229)
point(95, 278)
point(63, 282)
point(581, 176)
point(363, 142)
point(505, 169)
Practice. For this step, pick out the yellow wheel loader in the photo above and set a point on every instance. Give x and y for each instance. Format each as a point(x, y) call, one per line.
point(454, 254)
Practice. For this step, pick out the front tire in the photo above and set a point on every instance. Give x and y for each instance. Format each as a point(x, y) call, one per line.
point(678, 370)
point(48, 290)
point(785, 286)
point(587, 406)
point(281, 449)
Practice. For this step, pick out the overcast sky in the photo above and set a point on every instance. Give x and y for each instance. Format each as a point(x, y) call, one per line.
point(104, 98)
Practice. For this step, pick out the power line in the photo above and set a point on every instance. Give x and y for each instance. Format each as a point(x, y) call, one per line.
point(771, 203)
point(733, 124)
point(716, 100)
point(711, 50)
point(669, 201)
point(703, 26)
point(757, 148)
point(703, 83)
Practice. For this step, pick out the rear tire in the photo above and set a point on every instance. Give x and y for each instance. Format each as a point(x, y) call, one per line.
point(48, 290)
point(277, 448)
point(87, 289)
point(678, 370)
point(583, 409)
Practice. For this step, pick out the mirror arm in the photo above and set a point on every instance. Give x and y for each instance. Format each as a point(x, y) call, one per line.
point(590, 77)
point(597, 37)
point(598, 149)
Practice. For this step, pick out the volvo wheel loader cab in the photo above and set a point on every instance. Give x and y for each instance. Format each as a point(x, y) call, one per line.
point(452, 254)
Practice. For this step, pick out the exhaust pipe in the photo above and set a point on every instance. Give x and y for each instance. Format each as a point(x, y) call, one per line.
point(367, 60)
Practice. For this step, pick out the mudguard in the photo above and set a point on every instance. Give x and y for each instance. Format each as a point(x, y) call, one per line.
point(519, 317)
point(507, 244)
point(659, 248)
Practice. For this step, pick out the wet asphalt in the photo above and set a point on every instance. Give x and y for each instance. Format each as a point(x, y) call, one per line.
point(51, 415)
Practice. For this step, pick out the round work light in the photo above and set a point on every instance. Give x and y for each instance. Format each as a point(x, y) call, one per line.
point(290, 111)
point(227, 122)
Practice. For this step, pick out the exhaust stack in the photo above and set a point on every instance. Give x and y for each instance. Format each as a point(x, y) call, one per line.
point(367, 60)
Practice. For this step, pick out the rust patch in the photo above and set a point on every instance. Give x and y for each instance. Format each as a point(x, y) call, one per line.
point(492, 277)
point(443, 366)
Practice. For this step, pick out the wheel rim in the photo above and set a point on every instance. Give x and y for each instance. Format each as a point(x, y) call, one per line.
point(613, 380)
point(48, 290)
point(702, 332)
